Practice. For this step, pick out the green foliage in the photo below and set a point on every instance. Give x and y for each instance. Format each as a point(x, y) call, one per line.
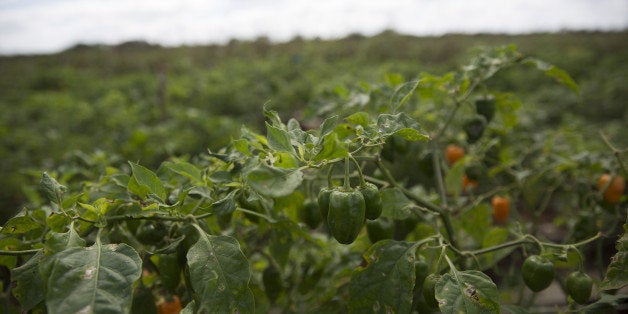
point(98, 278)
point(29, 286)
point(219, 274)
point(147, 103)
point(144, 182)
point(272, 181)
point(385, 283)
point(227, 230)
point(616, 276)
point(467, 291)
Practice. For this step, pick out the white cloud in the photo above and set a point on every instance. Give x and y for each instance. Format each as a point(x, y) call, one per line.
point(45, 26)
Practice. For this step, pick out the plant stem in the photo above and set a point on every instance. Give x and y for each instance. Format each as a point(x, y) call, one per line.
point(529, 239)
point(457, 102)
point(18, 253)
point(500, 246)
point(616, 152)
point(330, 184)
point(244, 210)
point(357, 166)
point(377, 181)
point(444, 214)
point(438, 174)
point(198, 205)
point(85, 220)
point(157, 217)
point(347, 184)
point(203, 216)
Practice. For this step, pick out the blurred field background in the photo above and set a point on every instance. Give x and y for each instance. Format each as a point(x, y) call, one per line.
point(145, 103)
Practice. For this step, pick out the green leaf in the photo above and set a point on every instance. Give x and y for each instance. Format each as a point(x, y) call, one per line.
point(494, 236)
point(564, 78)
point(221, 275)
point(332, 148)
point(281, 240)
point(190, 308)
point(298, 137)
point(274, 182)
point(403, 93)
point(411, 135)
point(171, 248)
point(474, 224)
point(255, 140)
point(96, 279)
point(28, 285)
point(278, 139)
point(393, 78)
point(285, 160)
point(242, 145)
point(147, 181)
point(58, 222)
point(328, 126)
point(90, 208)
point(395, 204)
point(400, 124)
point(289, 205)
point(273, 116)
point(57, 242)
point(99, 207)
point(220, 176)
point(51, 188)
point(143, 301)
point(168, 269)
point(225, 206)
point(467, 292)
point(385, 284)
point(556, 73)
point(359, 118)
point(294, 125)
point(9, 244)
point(20, 225)
point(617, 272)
point(507, 109)
point(185, 169)
point(345, 131)
point(607, 303)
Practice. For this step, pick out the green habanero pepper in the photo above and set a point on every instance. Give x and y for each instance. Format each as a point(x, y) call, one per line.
point(537, 272)
point(485, 107)
point(310, 214)
point(579, 286)
point(380, 229)
point(323, 201)
point(474, 128)
point(372, 200)
point(273, 284)
point(346, 215)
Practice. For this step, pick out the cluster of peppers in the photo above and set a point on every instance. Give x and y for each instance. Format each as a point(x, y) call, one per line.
point(538, 273)
point(346, 209)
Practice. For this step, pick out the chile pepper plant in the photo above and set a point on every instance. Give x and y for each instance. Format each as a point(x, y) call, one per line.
point(362, 213)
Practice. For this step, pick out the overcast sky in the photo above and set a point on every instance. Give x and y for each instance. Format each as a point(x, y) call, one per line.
point(43, 26)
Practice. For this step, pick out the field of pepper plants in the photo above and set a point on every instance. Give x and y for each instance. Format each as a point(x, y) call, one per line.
point(492, 186)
